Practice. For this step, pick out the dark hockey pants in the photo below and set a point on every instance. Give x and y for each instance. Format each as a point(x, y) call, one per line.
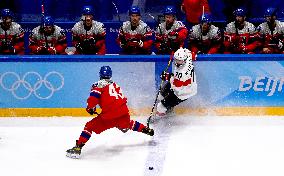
point(170, 99)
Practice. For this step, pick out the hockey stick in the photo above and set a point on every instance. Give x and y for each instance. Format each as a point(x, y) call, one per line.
point(43, 23)
point(123, 41)
point(160, 87)
point(116, 9)
point(160, 30)
point(201, 36)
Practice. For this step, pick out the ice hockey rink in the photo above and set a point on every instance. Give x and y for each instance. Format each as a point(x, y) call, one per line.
point(182, 145)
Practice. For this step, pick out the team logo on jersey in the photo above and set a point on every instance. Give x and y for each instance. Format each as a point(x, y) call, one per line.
point(32, 83)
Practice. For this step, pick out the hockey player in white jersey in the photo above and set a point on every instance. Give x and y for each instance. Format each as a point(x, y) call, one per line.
point(180, 83)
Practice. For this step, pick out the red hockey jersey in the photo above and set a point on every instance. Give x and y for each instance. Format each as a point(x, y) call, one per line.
point(108, 95)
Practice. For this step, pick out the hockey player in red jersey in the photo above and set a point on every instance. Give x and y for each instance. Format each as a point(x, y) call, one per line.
point(205, 38)
point(240, 36)
point(171, 34)
point(135, 36)
point(48, 38)
point(11, 34)
point(108, 95)
point(271, 33)
point(181, 82)
point(88, 34)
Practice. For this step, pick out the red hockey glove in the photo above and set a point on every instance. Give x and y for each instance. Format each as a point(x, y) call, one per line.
point(165, 76)
point(51, 50)
point(194, 56)
point(91, 111)
point(173, 36)
point(243, 48)
point(133, 44)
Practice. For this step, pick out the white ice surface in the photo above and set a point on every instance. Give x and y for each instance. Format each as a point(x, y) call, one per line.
point(182, 146)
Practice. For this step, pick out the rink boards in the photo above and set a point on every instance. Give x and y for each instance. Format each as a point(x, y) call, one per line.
point(59, 85)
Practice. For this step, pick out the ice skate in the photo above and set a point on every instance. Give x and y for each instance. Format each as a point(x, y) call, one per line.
point(75, 152)
point(170, 112)
point(148, 131)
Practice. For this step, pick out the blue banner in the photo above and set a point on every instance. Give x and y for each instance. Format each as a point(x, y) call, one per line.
point(64, 81)
point(239, 83)
point(67, 85)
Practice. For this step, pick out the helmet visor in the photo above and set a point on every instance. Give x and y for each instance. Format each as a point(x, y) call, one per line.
point(179, 63)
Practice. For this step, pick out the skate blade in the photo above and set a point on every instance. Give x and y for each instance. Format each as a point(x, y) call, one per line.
point(73, 155)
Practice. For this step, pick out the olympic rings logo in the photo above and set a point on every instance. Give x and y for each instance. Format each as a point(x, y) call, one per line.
point(32, 83)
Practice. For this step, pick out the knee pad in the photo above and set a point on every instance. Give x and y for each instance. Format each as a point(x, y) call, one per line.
point(160, 97)
point(161, 108)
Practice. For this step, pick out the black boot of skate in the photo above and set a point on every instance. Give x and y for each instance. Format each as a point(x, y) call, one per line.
point(75, 152)
point(148, 131)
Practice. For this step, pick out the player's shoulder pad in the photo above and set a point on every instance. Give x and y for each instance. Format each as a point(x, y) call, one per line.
point(281, 25)
point(15, 25)
point(126, 24)
point(230, 28)
point(195, 28)
point(102, 83)
point(36, 29)
point(215, 30)
point(259, 27)
point(251, 26)
point(58, 30)
point(98, 24)
point(179, 24)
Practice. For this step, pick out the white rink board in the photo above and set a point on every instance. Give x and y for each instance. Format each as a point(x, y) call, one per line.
point(198, 146)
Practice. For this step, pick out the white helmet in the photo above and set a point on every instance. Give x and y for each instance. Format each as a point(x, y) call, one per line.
point(181, 56)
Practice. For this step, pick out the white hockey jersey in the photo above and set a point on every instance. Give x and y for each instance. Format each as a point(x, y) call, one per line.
point(184, 82)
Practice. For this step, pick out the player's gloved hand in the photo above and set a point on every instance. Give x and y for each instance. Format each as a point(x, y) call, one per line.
point(140, 43)
point(51, 50)
point(194, 56)
point(267, 50)
point(280, 44)
point(91, 111)
point(79, 47)
point(243, 48)
point(122, 45)
point(89, 41)
point(164, 47)
point(7, 48)
point(234, 39)
point(173, 36)
point(42, 50)
point(165, 76)
point(133, 44)
point(123, 42)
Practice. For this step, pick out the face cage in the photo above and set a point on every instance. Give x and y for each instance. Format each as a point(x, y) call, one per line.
point(179, 63)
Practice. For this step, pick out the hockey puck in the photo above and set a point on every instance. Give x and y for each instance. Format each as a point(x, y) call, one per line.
point(151, 168)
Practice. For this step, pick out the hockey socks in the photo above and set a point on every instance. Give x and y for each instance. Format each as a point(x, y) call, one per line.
point(136, 126)
point(139, 127)
point(84, 137)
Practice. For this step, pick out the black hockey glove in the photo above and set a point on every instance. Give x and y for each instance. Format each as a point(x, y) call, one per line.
point(42, 50)
point(78, 46)
point(164, 48)
point(123, 42)
point(91, 111)
point(7, 48)
point(165, 76)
